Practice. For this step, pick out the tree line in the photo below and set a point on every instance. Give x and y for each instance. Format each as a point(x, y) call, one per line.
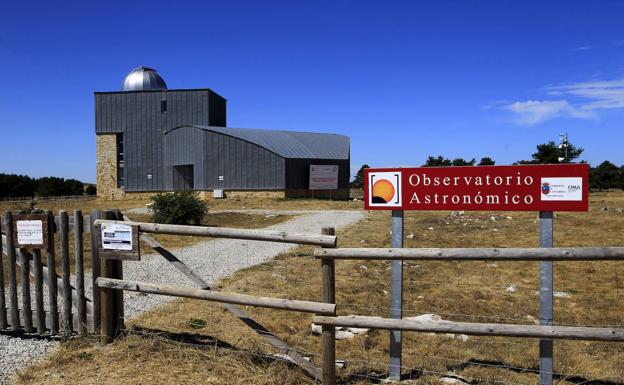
point(605, 176)
point(18, 186)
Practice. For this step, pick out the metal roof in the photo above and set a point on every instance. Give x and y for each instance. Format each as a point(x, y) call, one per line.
point(290, 144)
point(143, 79)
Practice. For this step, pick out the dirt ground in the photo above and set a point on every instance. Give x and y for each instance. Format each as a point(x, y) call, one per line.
point(189, 341)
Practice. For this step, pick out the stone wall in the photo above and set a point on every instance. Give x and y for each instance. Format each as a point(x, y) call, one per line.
point(106, 167)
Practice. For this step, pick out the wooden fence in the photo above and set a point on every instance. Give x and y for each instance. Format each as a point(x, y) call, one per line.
point(328, 292)
point(109, 282)
point(16, 314)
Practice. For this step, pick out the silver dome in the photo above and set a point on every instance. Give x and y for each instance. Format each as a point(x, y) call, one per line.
point(143, 79)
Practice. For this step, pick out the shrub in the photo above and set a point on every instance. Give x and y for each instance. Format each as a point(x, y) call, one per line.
point(181, 208)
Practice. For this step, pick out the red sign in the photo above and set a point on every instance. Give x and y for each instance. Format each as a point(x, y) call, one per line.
point(562, 187)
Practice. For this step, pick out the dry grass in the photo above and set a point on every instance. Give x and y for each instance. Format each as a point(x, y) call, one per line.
point(472, 291)
point(284, 204)
point(237, 203)
point(70, 205)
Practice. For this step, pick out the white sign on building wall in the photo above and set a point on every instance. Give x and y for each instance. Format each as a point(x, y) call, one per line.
point(323, 177)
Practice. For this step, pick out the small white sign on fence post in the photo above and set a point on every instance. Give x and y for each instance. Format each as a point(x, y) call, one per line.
point(119, 241)
point(116, 236)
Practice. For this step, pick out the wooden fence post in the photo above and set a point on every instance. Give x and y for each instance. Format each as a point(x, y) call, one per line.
point(95, 270)
point(110, 301)
point(67, 295)
point(38, 275)
point(52, 282)
point(11, 261)
point(81, 306)
point(25, 278)
point(328, 336)
point(3, 310)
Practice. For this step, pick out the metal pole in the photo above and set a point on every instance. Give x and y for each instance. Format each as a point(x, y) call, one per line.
point(396, 307)
point(546, 299)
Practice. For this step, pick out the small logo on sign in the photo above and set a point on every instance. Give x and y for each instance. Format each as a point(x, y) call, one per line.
point(384, 189)
point(574, 188)
point(545, 188)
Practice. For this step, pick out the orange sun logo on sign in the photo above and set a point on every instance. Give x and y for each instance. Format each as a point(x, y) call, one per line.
point(384, 189)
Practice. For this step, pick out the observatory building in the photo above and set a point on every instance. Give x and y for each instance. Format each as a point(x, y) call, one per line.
point(151, 139)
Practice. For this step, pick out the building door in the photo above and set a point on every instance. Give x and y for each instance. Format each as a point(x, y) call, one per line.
point(183, 177)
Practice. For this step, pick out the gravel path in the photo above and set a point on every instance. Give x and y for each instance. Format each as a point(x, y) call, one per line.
point(212, 260)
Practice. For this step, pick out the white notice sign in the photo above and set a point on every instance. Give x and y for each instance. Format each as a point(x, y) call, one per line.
point(29, 232)
point(116, 236)
point(562, 189)
point(323, 177)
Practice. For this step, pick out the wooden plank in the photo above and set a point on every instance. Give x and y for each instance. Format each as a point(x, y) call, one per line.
point(52, 285)
point(477, 254)
point(25, 279)
point(38, 274)
point(224, 232)
point(9, 250)
point(3, 310)
point(72, 220)
point(477, 329)
point(328, 334)
point(95, 270)
point(80, 291)
point(241, 314)
point(67, 297)
point(240, 299)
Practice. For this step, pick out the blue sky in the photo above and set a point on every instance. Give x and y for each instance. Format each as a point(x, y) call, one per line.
point(403, 79)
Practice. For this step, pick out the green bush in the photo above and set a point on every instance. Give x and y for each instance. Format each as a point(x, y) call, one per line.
point(181, 208)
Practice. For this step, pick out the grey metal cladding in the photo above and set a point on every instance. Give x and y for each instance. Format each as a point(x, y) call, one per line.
point(138, 116)
point(190, 107)
point(243, 165)
point(291, 144)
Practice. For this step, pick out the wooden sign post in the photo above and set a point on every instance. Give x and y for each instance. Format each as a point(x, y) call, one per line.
point(116, 242)
point(542, 188)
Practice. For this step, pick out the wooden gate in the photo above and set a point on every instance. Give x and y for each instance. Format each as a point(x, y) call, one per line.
point(40, 273)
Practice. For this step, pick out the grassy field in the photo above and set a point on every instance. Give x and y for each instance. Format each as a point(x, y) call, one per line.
point(189, 341)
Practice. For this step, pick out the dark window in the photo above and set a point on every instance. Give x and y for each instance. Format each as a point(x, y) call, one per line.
point(163, 106)
point(120, 161)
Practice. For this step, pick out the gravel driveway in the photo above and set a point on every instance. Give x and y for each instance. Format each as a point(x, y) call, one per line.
point(211, 259)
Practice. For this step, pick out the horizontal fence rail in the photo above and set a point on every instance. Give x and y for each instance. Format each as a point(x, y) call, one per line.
point(477, 329)
point(47, 198)
point(210, 295)
point(224, 232)
point(476, 254)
